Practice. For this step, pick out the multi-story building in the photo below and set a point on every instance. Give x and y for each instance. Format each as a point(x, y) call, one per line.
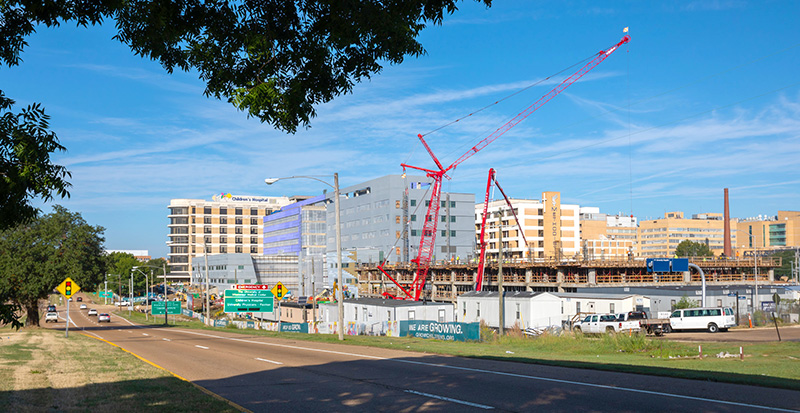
point(660, 237)
point(766, 233)
point(382, 219)
point(226, 224)
point(606, 236)
point(552, 229)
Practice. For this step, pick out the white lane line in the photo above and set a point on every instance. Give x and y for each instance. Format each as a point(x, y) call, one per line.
point(448, 399)
point(145, 334)
point(500, 373)
point(203, 347)
point(268, 361)
point(166, 339)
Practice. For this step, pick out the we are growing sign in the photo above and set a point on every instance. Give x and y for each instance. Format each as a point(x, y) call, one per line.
point(440, 331)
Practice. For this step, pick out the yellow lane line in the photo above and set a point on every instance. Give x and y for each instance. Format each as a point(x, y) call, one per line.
point(203, 389)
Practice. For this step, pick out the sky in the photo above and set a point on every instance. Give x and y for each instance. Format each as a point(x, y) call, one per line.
point(705, 96)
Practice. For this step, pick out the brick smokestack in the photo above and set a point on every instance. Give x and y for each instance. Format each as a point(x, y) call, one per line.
point(726, 249)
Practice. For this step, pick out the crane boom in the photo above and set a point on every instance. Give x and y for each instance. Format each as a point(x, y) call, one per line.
point(426, 244)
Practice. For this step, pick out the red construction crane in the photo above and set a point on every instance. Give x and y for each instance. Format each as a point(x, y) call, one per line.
point(482, 259)
point(428, 237)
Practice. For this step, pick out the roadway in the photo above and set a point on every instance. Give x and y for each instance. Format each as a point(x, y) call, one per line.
point(265, 374)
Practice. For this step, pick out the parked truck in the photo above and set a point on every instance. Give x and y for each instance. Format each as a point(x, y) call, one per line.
point(655, 326)
point(598, 324)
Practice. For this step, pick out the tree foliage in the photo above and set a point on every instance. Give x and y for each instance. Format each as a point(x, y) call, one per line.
point(693, 249)
point(37, 256)
point(787, 262)
point(121, 265)
point(26, 170)
point(274, 59)
point(685, 302)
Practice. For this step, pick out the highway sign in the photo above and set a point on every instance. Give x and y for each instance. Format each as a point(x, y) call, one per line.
point(279, 290)
point(250, 287)
point(106, 294)
point(249, 301)
point(68, 288)
point(173, 308)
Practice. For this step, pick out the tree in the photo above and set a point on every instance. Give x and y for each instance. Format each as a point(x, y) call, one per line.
point(119, 266)
point(685, 302)
point(787, 262)
point(693, 249)
point(37, 256)
point(26, 170)
point(274, 59)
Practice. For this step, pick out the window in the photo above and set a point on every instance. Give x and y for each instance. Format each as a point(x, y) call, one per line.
point(414, 233)
point(719, 302)
point(223, 230)
point(577, 307)
point(223, 210)
point(441, 315)
point(413, 202)
point(452, 204)
point(254, 249)
point(239, 221)
point(239, 250)
point(464, 309)
point(444, 218)
point(238, 211)
point(452, 218)
point(365, 313)
point(611, 308)
point(207, 220)
point(238, 240)
point(223, 220)
point(397, 219)
point(355, 312)
point(412, 315)
point(388, 316)
point(238, 230)
point(206, 230)
point(253, 211)
point(397, 204)
point(478, 309)
point(452, 233)
point(206, 210)
point(254, 230)
point(223, 239)
point(427, 203)
point(253, 221)
point(223, 249)
point(254, 240)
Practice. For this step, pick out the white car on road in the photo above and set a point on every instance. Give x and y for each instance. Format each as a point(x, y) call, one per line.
point(92, 312)
point(83, 306)
point(51, 316)
point(104, 317)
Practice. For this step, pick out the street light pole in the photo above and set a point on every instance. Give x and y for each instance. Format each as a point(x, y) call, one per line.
point(755, 268)
point(335, 186)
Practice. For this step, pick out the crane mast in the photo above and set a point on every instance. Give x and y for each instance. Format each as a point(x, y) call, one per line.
point(428, 237)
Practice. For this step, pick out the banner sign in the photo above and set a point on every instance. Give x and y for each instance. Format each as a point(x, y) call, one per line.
point(440, 331)
point(294, 327)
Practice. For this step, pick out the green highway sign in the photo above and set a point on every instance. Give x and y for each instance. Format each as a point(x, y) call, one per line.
point(107, 294)
point(173, 308)
point(249, 301)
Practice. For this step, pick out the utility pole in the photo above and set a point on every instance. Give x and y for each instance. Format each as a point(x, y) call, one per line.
point(500, 292)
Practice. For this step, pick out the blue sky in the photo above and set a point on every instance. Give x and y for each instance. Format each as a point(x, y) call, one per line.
point(705, 96)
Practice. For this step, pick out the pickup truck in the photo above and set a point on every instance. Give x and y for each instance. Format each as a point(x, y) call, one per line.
point(596, 324)
point(639, 319)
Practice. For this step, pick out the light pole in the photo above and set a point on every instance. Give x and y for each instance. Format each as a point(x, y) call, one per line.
point(335, 186)
point(755, 267)
point(205, 256)
point(164, 269)
point(147, 290)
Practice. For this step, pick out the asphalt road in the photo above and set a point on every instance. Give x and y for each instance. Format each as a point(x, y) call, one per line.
point(266, 374)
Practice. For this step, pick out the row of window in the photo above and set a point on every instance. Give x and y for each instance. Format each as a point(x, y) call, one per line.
point(224, 221)
point(224, 230)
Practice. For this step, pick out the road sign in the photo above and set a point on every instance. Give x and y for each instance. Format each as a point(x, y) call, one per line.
point(667, 264)
point(250, 287)
point(279, 291)
point(106, 294)
point(68, 288)
point(249, 301)
point(173, 307)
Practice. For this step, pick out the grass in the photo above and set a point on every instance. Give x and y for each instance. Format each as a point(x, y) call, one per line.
point(774, 364)
point(42, 370)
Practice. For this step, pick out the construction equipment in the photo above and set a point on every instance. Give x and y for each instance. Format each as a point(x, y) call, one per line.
point(482, 262)
point(428, 236)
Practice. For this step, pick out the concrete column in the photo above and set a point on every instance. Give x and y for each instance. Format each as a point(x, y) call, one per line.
point(592, 276)
point(687, 276)
point(528, 276)
point(560, 280)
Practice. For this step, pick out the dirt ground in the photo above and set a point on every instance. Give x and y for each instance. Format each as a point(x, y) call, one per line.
point(759, 334)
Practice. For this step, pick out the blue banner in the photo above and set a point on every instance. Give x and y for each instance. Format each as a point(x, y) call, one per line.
point(294, 327)
point(440, 331)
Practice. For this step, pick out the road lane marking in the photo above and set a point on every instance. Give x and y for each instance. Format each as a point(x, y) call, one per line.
point(448, 399)
point(166, 339)
point(268, 361)
point(500, 373)
point(145, 334)
point(203, 347)
point(199, 387)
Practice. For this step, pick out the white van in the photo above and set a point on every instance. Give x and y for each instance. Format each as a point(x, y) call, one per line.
point(711, 318)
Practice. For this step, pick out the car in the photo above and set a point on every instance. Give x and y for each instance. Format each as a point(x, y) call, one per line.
point(83, 306)
point(51, 316)
point(92, 312)
point(80, 299)
point(51, 308)
point(103, 317)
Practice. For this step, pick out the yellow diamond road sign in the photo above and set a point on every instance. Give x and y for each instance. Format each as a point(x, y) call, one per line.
point(279, 291)
point(68, 288)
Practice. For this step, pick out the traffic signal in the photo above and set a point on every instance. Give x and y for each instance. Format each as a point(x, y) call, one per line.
point(68, 288)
